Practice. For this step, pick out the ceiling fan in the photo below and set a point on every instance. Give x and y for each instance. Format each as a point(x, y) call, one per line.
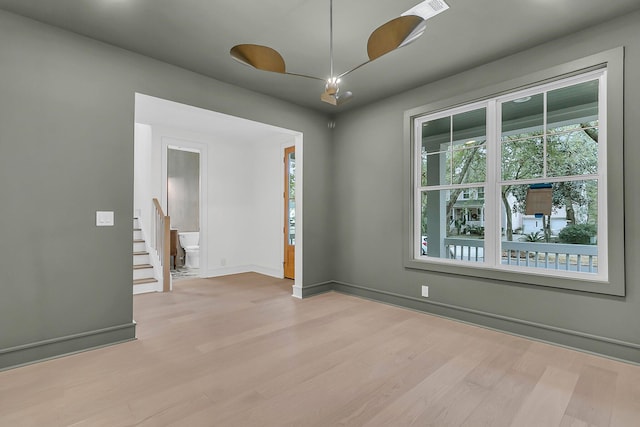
point(388, 37)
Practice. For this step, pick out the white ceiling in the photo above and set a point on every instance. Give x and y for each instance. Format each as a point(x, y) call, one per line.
point(197, 35)
point(160, 112)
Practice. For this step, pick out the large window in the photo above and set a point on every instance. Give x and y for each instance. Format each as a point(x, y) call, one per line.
point(516, 182)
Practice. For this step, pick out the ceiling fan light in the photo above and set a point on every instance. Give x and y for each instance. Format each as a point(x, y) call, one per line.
point(328, 98)
point(260, 57)
point(394, 34)
point(344, 97)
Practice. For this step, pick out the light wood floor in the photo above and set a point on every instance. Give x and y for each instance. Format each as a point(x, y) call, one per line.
point(240, 351)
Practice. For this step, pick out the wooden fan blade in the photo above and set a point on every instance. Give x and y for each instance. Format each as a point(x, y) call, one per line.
point(394, 34)
point(259, 57)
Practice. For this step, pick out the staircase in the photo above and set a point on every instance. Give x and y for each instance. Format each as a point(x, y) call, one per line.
point(144, 279)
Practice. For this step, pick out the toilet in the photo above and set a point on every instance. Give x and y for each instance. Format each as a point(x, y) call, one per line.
point(190, 242)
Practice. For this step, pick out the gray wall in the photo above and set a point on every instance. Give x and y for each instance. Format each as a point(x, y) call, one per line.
point(66, 151)
point(183, 189)
point(368, 250)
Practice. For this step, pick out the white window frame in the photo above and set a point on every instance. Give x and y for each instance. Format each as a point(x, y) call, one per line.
point(605, 281)
point(493, 181)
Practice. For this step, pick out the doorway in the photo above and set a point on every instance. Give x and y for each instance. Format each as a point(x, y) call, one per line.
point(241, 184)
point(289, 212)
point(183, 207)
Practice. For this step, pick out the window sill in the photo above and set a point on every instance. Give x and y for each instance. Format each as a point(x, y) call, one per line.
point(519, 275)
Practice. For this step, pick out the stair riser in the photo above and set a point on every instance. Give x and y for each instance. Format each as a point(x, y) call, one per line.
point(137, 235)
point(139, 247)
point(144, 273)
point(147, 287)
point(141, 259)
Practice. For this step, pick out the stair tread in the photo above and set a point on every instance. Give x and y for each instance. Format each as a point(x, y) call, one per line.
point(141, 253)
point(142, 266)
point(138, 241)
point(137, 229)
point(143, 281)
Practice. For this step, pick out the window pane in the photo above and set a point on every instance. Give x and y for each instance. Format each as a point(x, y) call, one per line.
point(292, 175)
point(573, 107)
point(436, 135)
point(573, 153)
point(522, 158)
point(565, 239)
point(291, 232)
point(452, 224)
point(523, 116)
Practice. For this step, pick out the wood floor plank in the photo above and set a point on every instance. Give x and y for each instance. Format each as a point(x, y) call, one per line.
point(546, 404)
point(626, 408)
point(416, 402)
point(240, 351)
point(592, 399)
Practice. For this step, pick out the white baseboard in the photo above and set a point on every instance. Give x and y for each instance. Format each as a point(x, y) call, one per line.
point(225, 271)
point(297, 292)
point(277, 273)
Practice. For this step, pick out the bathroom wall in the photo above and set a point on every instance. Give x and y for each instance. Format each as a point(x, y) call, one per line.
point(183, 189)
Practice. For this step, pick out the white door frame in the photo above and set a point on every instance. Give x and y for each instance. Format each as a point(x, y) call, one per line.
point(193, 146)
point(297, 282)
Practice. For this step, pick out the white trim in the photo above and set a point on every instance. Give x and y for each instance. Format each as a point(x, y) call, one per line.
point(603, 195)
point(493, 202)
point(297, 292)
point(299, 211)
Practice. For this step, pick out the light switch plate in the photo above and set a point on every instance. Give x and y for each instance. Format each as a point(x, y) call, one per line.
point(104, 218)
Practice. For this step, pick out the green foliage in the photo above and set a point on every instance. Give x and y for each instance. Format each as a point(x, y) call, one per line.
point(573, 151)
point(535, 236)
point(578, 233)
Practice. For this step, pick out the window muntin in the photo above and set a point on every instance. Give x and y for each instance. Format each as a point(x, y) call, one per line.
point(548, 135)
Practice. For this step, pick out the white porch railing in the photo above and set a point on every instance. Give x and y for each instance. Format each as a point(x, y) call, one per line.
point(556, 256)
point(464, 249)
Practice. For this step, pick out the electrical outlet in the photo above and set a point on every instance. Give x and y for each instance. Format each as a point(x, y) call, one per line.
point(425, 291)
